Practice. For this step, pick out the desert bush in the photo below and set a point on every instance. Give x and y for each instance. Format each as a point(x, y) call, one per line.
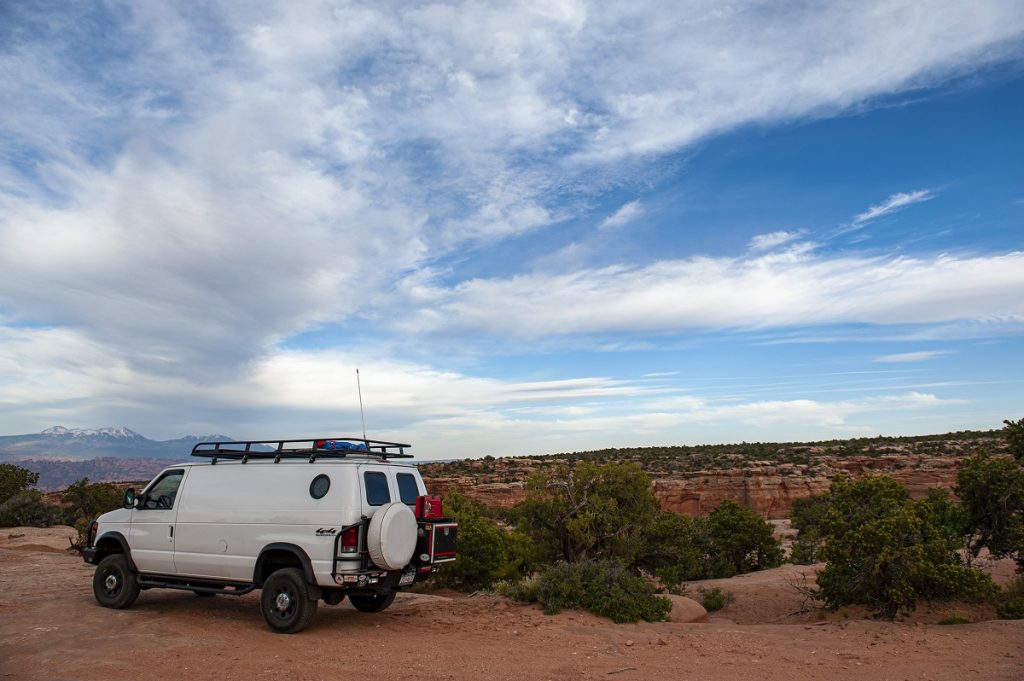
point(676, 549)
point(715, 599)
point(732, 540)
point(740, 541)
point(86, 500)
point(887, 552)
point(29, 509)
point(1011, 605)
point(808, 518)
point(950, 518)
point(526, 589)
point(487, 552)
point(1013, 431)
point(991, 491)
point(954, 619)
point(607, 588)
point(1011, 610)
point(15, 479)
point(589, 511)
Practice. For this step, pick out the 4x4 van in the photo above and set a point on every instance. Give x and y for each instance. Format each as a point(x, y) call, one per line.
point(303, 520)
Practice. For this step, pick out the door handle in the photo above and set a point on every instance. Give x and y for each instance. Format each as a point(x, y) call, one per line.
point(170, 533)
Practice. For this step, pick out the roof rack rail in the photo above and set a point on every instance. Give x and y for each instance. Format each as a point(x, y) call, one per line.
point(311, 448)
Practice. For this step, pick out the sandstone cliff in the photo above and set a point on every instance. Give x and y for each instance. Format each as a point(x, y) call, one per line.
point(769, 487)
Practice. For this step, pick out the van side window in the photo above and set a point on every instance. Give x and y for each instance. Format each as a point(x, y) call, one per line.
point(377, 492)
point(161, 495)
point(407, 488)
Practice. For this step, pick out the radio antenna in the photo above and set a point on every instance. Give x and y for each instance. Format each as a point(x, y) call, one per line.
point(362, 416)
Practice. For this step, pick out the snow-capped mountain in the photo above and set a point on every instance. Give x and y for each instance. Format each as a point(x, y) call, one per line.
point(81, 443)
point(119, 433)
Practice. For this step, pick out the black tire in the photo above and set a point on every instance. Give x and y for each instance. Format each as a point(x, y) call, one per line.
point(285, 602)
point(114, 584)
point(372, 602)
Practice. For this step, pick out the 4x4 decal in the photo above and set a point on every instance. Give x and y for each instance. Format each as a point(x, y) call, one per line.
point(326, 532)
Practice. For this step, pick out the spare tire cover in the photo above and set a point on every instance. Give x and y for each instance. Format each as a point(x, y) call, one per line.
point(391, 539)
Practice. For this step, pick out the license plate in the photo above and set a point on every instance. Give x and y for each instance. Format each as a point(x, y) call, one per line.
point(407, 579)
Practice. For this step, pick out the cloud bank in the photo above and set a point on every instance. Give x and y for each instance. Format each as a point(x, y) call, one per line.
point(183, 190)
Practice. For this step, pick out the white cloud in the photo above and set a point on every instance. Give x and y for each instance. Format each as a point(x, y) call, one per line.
point(623, 216)
point(919, 356)
point(766, 242)
point(216, 181)
point(766, 291)
point(892, 204)
point(211, 182)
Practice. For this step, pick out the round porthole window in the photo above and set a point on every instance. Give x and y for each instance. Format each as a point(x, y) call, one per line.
point(318, 488)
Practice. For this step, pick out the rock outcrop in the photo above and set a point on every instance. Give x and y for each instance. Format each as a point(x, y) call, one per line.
point(769, 488)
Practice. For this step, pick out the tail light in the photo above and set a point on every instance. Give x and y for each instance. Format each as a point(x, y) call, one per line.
point(428, 507)
point(350, 540)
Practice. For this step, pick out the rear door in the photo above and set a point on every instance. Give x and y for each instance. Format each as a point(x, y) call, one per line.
point(409, 487)
point(377, 484)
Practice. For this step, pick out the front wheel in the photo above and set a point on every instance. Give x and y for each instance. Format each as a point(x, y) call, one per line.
point(285, 602)
point(372, 602)
point(114, 584)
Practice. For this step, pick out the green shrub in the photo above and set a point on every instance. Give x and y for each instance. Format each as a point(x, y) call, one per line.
point(991, 491)
point(589, 511)
point(1011, 610)
point(808, 518)
point(954, 619)
point(15, 479)
point(1012, 605)
point(605, 588)
point(29, 509)
point(741, 541)
point(526, 589)
point(676, 549)
point(87, 500)
point(715, 599)
point(487, 552)
point(887, 552)
point(1013, 431)
point(732, 540)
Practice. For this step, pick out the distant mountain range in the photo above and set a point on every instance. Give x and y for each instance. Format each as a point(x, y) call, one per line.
point(80, 444)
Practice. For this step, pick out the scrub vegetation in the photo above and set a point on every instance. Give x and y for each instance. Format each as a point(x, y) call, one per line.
point(78, 505)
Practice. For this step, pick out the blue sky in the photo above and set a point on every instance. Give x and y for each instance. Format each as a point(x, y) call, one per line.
point(533, 227)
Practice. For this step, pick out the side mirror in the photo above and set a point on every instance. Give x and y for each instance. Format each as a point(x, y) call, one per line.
point(129, 498)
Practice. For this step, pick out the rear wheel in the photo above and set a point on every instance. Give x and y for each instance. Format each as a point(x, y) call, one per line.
point(114, 584)
point(285, 602)
point(372, 602)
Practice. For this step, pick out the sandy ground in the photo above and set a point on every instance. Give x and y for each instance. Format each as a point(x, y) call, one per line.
point(51, 629)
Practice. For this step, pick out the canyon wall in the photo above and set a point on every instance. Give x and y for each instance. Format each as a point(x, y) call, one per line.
point(767, 488)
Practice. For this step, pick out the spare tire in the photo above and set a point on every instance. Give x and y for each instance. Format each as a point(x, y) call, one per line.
point(391, 539)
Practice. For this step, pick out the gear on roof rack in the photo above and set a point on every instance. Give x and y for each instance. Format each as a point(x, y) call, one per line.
point(311, 448)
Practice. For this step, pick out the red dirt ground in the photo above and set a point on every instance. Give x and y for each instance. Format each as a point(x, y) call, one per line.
point(51, 629)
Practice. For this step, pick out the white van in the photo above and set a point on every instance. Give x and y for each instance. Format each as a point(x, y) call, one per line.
point(303, 520)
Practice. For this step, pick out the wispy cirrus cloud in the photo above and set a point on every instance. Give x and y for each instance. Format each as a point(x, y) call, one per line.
point(918, 356)
point(892, 204)
point(766, 242)
point(623, 216)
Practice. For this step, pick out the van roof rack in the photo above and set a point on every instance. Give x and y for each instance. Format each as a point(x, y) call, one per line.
point(311, 448)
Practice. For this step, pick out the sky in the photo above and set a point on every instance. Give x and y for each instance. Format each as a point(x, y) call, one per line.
point(533, 227)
